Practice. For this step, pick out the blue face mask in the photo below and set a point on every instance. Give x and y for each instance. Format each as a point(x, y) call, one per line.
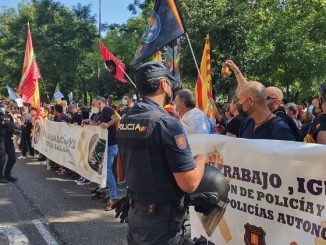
point(310, 109)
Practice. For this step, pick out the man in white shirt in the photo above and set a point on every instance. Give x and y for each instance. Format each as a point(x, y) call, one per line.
point(192, 119)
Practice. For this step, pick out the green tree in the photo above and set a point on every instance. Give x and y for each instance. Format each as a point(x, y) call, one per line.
point(62, 39)
point(278, 44)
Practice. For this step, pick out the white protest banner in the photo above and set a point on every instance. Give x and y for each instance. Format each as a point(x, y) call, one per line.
point(81, 149)
point(277, 194)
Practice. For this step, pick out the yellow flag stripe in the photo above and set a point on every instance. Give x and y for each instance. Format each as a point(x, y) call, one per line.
point(175, 12)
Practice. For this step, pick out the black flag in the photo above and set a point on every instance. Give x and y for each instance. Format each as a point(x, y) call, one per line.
point(164, 26)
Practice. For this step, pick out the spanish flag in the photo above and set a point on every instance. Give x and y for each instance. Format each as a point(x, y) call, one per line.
point(28, 86)
point(164, 26)
point(203, 89)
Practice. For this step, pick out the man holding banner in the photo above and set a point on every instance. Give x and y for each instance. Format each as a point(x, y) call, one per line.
point(262, 123)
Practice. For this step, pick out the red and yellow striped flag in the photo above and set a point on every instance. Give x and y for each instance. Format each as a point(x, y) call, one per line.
point(158, 56)
point(203, 89)
point(28, 86)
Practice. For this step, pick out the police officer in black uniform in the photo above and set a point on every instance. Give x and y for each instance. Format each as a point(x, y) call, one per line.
point(157, 160)
point(317, 130)
point(7, 129)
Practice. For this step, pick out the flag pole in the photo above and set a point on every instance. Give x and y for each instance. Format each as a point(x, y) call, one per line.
point(194, 57)
point(133, 84)
point(130, 80)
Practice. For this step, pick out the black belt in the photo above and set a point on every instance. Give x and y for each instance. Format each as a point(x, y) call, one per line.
point(153, 209)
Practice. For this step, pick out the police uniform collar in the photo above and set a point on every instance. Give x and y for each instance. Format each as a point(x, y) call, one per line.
point(151, 102)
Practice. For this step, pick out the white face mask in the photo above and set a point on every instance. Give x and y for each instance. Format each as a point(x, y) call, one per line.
point(94, 110)
point(175, 109)
point(124, 102)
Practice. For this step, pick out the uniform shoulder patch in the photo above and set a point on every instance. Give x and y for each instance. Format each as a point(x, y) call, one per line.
point(181, 141)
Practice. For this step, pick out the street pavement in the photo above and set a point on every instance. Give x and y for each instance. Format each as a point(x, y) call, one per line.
point(43, 207)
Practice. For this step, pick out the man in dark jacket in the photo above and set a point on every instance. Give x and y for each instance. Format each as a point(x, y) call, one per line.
point(261, 122)
point(274, 102)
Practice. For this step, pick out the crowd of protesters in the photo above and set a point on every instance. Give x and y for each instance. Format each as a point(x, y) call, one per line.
point(254, 112)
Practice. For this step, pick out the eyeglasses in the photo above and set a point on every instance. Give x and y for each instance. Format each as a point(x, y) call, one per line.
point(243, 101)
point(271, 98)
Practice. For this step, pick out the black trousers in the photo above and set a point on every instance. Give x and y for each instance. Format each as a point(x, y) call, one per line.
point(2, 157)
point(145, 229)
point(26, 143)
point(10, 151)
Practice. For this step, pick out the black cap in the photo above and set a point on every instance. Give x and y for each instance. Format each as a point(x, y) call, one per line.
point(155, 69)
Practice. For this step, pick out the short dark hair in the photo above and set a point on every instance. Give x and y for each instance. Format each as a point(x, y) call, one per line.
point(58, 108)
point(100, 98)
point(187, 97)
point(292, 107)
point(150, 86)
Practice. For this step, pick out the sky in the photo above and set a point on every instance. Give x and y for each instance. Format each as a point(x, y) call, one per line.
point(113, 11)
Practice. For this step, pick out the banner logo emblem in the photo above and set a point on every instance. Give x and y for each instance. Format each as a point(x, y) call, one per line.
point(153, 29)
point(96, 153)
point(37, 133)
point(181, 141)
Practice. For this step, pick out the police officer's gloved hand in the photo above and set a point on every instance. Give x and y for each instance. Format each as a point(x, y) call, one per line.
point(121, 209)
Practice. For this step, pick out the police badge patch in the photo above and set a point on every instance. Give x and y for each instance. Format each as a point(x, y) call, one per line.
point(181, 141)
point(254, 235)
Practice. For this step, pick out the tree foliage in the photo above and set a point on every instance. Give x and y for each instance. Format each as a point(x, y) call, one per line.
point(280, 43)
point(62, 39)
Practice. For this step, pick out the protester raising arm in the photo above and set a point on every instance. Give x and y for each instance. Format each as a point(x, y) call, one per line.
point(240, 78)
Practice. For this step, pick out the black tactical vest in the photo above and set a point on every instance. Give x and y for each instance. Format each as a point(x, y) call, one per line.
point(3, 126)
point(145, 166)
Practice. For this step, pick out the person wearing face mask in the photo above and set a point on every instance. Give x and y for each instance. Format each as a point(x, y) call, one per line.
point(158, 164)
point(317, 130)
point(274, 102)
point(127, 103)
point(314, 108)
point(108, 120)
point(261, 122)
point(94, 115)
point(192, 119)
point(233, 126)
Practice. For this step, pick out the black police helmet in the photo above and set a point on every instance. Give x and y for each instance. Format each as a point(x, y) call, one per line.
point(211, 193)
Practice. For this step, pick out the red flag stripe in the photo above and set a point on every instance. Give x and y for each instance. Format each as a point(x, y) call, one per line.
point(120, 66)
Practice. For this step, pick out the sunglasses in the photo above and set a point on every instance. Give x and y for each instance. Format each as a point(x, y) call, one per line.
point(271, 98)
